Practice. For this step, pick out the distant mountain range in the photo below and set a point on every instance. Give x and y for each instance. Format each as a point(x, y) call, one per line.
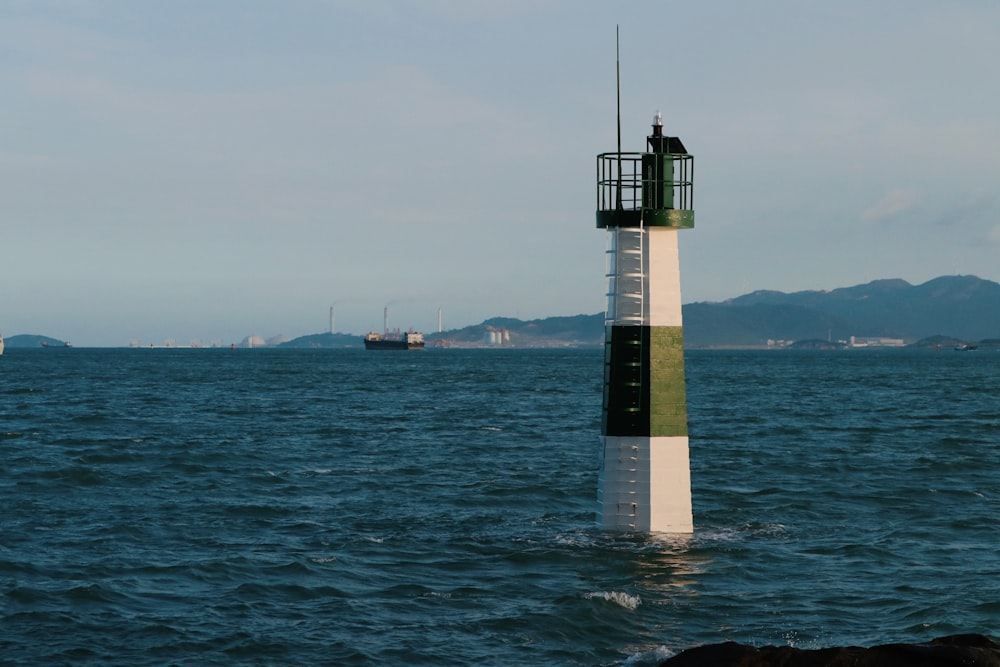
point(964, 308)
point(944, 311)
point(947, 310)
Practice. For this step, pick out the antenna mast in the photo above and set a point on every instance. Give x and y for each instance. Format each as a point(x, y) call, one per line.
point(618, 93)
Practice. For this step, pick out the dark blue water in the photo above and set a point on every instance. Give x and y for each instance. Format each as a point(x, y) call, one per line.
point(200, 507)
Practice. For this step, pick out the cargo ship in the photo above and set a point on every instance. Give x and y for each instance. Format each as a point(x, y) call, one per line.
point(411, 340)
point(393, 340)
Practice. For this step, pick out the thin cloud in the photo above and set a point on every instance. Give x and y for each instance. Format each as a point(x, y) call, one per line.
point(895, 202)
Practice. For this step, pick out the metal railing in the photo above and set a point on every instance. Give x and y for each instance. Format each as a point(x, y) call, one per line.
point(620, 181)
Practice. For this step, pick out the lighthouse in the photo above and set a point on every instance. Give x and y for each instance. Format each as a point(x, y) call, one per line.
point(643, 201)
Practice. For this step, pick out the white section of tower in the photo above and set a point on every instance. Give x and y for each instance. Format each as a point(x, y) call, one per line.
point(644, 278)
point(645, 484)
point(664, 277)
point(626, 277)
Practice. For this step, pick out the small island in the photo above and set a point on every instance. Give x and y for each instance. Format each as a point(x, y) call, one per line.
point(34, 340)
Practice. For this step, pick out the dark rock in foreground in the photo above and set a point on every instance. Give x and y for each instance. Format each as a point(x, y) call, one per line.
point(954, 650)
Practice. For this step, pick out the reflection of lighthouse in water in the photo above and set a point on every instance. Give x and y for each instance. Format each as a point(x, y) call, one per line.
point(643, 200)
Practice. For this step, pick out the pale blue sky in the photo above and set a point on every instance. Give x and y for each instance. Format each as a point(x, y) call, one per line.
point(208, 170)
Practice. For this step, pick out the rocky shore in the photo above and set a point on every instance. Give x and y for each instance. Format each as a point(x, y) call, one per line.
point(966, 650)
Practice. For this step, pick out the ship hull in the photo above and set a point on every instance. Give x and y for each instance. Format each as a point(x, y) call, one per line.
point(392, 345)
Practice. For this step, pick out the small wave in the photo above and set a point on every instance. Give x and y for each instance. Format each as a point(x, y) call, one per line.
point(576, 539)
point(86, 593)
point(621, 599)
point(653, 656)
point(437, 594)
point(254, 592)
point(20, 391)
point(740, 533)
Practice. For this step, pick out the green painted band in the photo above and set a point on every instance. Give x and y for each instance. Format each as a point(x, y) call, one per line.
point(649, 217)
point(644, 382)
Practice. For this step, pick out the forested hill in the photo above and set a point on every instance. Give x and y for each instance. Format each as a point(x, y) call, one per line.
point(961, 307)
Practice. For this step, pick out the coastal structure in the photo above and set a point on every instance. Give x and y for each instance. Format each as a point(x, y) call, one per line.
point(643, 200)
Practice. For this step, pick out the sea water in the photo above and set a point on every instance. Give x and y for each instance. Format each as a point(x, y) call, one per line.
point(343, 507)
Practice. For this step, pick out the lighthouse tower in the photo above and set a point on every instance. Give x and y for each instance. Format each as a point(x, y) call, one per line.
point(643, 200)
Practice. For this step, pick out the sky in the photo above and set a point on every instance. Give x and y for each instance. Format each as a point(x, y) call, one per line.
point(200, 170)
